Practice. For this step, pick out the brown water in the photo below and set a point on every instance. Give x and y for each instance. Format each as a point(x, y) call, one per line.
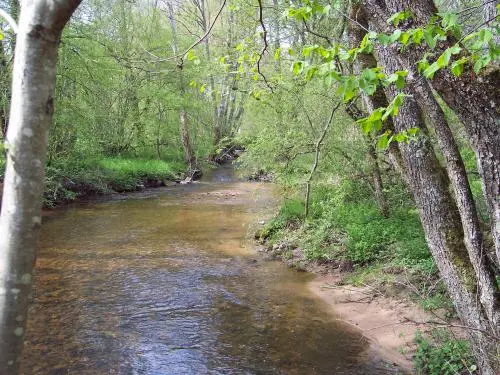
point(168, 282)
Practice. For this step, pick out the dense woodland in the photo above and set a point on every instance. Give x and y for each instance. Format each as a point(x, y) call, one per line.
point(379, 119)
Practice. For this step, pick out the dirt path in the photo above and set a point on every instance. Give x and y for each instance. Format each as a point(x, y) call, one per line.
point(389, 324)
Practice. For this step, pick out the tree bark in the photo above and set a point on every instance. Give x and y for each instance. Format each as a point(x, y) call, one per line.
point(439, 213)
point(476, 101)
point(34, 74)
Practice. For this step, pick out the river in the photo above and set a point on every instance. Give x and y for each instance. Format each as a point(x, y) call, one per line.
point(167, 281)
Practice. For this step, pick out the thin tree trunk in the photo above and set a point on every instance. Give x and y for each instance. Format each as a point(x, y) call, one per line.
point(378, 186)
point(317, 149)
point(189, 157)
point(205, 19)
point(40, 28)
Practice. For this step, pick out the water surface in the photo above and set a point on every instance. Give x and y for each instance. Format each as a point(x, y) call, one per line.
point(168, 282)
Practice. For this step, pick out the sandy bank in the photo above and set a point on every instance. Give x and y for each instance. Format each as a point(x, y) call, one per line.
point(389, 324)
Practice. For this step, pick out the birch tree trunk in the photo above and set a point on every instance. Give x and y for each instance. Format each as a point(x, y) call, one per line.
point(40, 27)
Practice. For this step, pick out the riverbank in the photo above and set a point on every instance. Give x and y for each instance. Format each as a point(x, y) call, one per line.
point(70, 179)
point(385, 311)
point(390, 323)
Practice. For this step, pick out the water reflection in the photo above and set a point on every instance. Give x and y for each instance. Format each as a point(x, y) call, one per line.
point(169, 284)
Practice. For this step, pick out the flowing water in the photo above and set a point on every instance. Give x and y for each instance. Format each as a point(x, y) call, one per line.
point(168, 282)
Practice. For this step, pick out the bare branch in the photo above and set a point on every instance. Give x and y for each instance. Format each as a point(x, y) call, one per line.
point(266, 46)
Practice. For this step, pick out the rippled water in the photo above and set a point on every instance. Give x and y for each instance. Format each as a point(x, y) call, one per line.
point(167, 282)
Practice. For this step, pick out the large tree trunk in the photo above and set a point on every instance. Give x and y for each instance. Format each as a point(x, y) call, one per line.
point(40, 28)
point(476, 100)
point(438, 211)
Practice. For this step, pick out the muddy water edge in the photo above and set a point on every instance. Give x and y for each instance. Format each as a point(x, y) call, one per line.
point(167, 281)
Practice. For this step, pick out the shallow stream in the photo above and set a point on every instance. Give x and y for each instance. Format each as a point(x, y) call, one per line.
point(167, 281)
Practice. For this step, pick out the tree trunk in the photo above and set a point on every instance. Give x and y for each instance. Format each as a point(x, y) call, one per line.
point(474, 241)
point(378, 187)
point(476, 100)
point(186, 141)
point(438, 211)
point(189, 157)
point(40, 28)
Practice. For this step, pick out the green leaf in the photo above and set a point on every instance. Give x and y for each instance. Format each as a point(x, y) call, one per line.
point(297, 67)
point(400, 137)
point(395, 36)
point(191, 55)
point(384, 39)
point(398, 78)
point(444, 59)
point(311, 72)
point(429, 36)
point(277, 54)
point(373, 122)
point(384, 140)
point(367, 87)
point(393, 107)
point(431, 70)
point(457, 67)
point(404, 38)
point(396, 18)
point(481, 62)
point(417, 35)
point(307, 50)
point(413, 132)
point(347, 88)
point(366, 46)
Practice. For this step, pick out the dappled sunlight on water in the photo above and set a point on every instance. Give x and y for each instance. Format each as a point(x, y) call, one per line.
point(168, 282)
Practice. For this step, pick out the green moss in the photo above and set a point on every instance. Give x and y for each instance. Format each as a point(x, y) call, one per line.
point(460, 259)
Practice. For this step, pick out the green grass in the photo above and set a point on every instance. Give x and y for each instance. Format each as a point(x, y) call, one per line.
point(346, 225)
point(126, 174)
point(67, 179)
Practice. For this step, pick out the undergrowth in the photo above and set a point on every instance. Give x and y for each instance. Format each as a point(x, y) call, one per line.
point(440, 353)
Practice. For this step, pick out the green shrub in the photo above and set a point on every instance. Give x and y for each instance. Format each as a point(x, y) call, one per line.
point(441, 354)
